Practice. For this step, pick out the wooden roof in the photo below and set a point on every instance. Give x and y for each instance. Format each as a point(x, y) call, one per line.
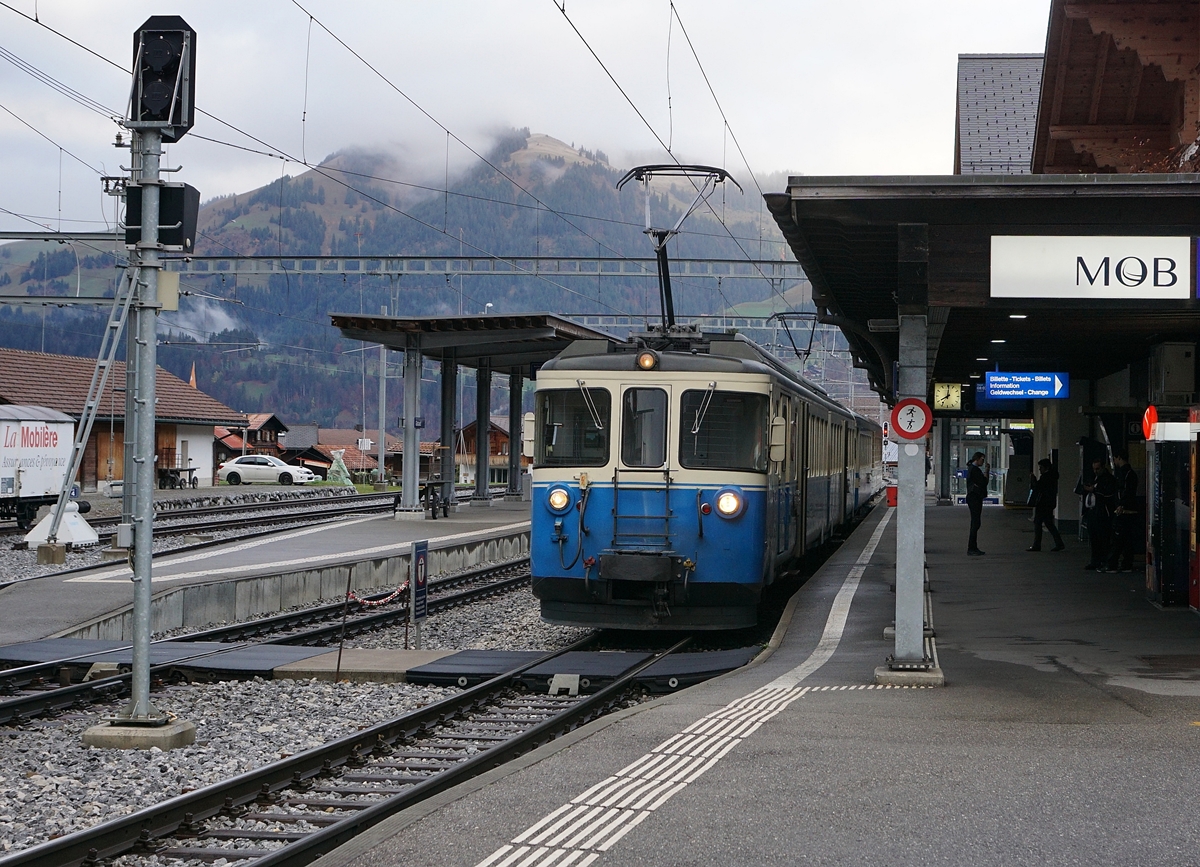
point(1119, 90)
point(61, 382)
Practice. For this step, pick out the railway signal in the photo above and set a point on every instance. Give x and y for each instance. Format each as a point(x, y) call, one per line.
point(164, 71)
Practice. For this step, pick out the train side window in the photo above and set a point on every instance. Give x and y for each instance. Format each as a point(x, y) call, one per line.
point(567, 430)
point(644, 414)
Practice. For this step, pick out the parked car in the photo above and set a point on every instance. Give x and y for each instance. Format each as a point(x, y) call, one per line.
point(247, 469)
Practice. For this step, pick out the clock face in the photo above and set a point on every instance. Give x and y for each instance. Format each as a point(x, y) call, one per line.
point(947, 395)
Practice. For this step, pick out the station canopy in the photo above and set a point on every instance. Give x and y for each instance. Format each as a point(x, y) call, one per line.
point(509, 343)
point(851, 234)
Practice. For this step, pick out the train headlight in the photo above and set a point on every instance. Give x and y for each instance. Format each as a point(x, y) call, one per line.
point(730, 503)
point(558, 499)
point(647, 360)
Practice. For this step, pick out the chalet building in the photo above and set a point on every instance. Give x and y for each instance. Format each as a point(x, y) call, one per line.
point(498, 446)
point(185, 416)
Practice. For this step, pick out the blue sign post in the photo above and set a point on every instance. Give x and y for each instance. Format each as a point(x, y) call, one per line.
point(418, 588)
point(1007, 385)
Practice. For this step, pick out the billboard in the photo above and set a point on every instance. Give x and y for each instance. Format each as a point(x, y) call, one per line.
point(1087, 268)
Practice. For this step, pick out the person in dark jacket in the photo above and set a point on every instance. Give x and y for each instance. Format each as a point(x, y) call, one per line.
point(1099, 503)
point(1125, 523)
point(1045, 498)
point(977, 485)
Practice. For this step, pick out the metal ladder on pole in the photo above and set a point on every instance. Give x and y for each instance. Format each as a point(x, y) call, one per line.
point(122, 300)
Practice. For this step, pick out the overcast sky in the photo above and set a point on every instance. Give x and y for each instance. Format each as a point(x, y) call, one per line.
point(810, 86)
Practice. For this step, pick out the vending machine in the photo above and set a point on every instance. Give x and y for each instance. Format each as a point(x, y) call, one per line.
point(1169, 488)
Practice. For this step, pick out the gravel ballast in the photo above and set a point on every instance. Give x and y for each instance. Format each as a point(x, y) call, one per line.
point(51, 784)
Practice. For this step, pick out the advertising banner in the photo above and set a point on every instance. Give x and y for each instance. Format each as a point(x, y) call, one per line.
point(1086, 268)
point(34, 456)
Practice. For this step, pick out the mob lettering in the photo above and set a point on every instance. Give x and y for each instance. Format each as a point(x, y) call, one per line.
point(1130, 271)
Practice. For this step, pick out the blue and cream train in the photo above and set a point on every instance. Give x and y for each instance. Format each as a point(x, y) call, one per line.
point(676, 476)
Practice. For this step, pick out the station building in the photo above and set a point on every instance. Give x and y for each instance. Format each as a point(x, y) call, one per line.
point(185, 416)
point(1064, 244)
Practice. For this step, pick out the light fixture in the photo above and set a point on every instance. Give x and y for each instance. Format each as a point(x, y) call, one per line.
point(647, 360)
point(974, 376)
point(1018, 316)
point(559, 499)
point(999, 341)
point(729, 503)
point(981, 359)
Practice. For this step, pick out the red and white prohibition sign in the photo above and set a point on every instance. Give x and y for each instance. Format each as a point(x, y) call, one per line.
point(911, 418)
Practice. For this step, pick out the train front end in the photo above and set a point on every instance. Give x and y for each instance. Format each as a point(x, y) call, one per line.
point(650, 492)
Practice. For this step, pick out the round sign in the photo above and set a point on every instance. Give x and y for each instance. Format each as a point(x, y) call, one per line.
point(911, 418)
point(1149, 420)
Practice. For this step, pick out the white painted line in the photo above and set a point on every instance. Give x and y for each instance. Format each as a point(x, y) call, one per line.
point(361, 553)
point(603, 811)
point(836, 624)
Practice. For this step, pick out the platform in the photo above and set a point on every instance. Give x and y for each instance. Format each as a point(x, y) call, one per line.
point(1067, 733)
point(49, 606)
point(208, 656)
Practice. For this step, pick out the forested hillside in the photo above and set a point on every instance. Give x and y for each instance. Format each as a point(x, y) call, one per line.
point(267, 346)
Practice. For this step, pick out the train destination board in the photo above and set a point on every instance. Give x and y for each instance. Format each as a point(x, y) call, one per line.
point(1006, 385)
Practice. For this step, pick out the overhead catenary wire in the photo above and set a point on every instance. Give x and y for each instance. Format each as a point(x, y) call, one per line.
point(326, 174)
point(561, 6)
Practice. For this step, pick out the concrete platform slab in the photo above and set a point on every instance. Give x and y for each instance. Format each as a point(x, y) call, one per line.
point(1066, 734)
point(361, 666)
point(369, 544)
point(198, 655)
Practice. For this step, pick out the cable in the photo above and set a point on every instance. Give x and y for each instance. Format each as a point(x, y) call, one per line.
point(563, 9)
point(52, 141)
point(53, 83)
point(324, 173)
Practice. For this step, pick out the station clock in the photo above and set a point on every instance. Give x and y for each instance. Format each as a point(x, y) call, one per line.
point(947, 395)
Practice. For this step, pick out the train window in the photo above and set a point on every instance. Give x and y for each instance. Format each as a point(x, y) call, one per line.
point(567, 433)
point(731, 434)
point(644, 427)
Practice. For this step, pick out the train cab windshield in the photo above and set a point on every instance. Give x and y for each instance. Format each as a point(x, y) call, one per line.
point(573, 426)
point(724, 430)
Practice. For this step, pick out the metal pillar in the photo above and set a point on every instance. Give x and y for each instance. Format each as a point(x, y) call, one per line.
point(145, 311)
point(410, 495)
point(449, 423)
point(944, 470)
point(910, 518)
point(516, 389)
point(483, 422)
point(381, 480)
point(912, 300)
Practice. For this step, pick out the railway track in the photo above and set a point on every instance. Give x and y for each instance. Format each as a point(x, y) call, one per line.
point(42, 689)
point(235, 516)
point(291, 812)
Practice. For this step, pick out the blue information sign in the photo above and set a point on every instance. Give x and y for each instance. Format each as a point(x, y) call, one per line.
point(1007, 385)
point(420, 575)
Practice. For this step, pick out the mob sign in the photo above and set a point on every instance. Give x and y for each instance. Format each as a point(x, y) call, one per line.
point(1089, 267)
point(1026, 386)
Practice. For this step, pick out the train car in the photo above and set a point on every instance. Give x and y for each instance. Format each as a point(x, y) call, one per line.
point(35, 452)
point(676, 476)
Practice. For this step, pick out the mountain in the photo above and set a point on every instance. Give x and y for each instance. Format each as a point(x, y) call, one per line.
point(265, 345)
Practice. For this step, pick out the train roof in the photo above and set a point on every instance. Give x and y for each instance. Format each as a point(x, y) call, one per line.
point(686, 348)
point(17, 412)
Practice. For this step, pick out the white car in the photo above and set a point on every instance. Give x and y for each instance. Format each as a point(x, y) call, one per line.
point(248, 469)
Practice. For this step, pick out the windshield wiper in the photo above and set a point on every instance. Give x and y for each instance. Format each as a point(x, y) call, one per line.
point(587, 399)
point(703, 410)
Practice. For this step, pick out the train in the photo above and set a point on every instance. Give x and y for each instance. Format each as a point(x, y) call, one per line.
point(677, 475)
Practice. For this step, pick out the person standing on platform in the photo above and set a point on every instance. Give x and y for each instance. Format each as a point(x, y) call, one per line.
point(1045, 498)
point(1098, 497)
point(978, 471)
point(1125, 525)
